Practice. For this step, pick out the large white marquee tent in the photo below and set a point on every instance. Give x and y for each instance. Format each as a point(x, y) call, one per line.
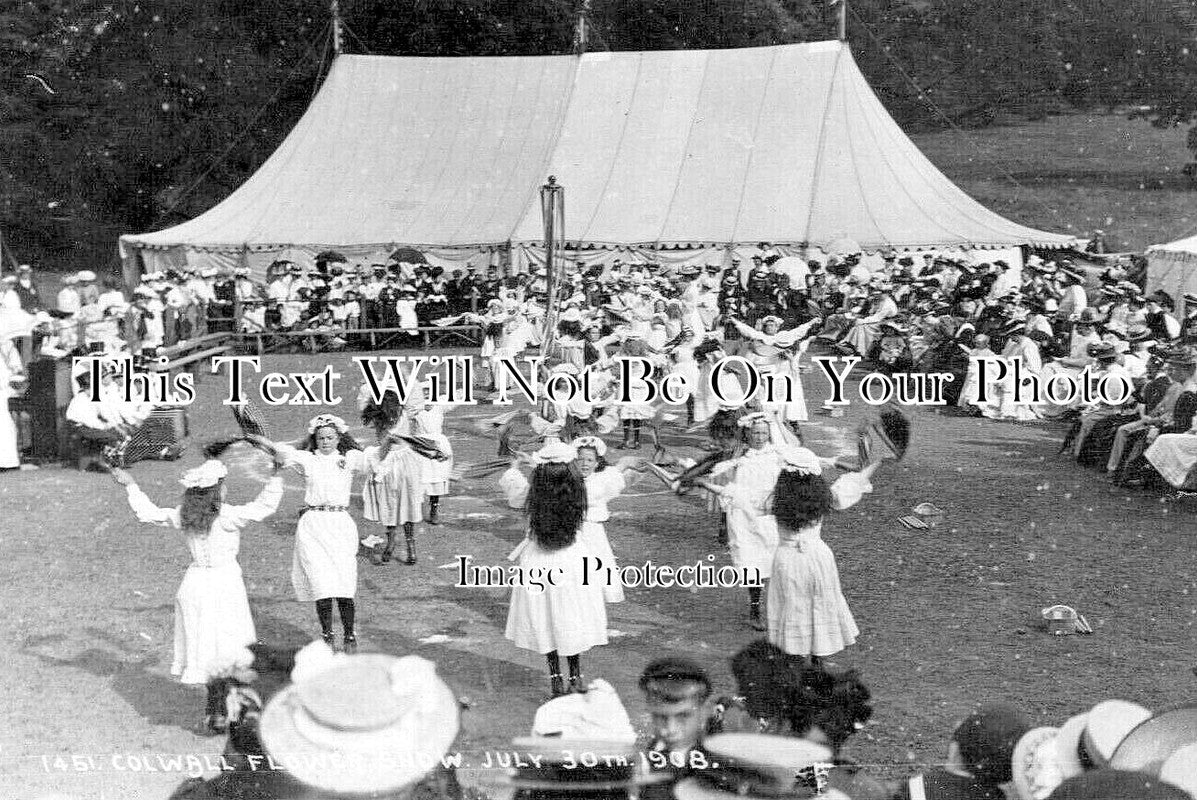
point(678, 152)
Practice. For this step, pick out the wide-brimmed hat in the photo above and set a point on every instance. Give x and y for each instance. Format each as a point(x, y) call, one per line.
point(1106, 725)
point(1138, 333)
point(1088, 316)
point(1180, 769)
point(1150, 743)
point(575, 766)
point(1102, 350)
point(1034, 764)
point(1112, 784)
point(362, 724)
point(756, 765)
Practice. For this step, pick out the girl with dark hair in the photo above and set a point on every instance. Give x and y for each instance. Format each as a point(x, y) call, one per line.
point(393, 492)
point(213, 624)
point(633, 414)
point(564, 617)
point(808, 615)
point(324, 567)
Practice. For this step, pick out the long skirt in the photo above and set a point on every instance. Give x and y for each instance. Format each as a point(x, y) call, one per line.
point(212, 622)
point(394, 495)
point(1173, 455)
point(325, 562)
point(569, 617)
point(593, 536)
point(10, 455)
point(436, 473)
point(752, 539)
point(808, 614)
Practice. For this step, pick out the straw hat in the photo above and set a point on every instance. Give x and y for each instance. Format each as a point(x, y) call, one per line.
point(362, 724)
point(757, 765)
point(576, 766)
point(1035, 764)
point(1154, 740)
point(1181, 769)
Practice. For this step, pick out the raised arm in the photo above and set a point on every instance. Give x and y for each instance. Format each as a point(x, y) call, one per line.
point(144, 508)
point(849, 489)
point(514, 486)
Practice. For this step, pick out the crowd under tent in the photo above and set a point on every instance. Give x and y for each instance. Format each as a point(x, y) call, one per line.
point(677, 156)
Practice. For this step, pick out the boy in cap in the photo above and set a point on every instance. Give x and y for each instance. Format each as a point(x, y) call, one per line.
point(676, 691)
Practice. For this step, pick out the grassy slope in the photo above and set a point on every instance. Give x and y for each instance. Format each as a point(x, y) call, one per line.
point(1075, 173)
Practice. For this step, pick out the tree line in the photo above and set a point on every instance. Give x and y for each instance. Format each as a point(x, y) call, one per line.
point(131, 115)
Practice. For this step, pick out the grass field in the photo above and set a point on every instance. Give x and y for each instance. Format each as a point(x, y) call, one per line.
point(1075, 173)
point(948, 616)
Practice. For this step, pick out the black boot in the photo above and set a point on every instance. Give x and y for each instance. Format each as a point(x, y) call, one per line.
point(636, 434)
point(557, 684)
point(434, 502)
point(410, 535)
point(627, 435)
point(388, 551)
point(754, 609)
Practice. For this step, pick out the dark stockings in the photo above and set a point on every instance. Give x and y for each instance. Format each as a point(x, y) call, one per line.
point(346, 609)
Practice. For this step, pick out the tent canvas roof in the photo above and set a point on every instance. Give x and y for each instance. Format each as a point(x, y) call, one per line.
point(784, 144)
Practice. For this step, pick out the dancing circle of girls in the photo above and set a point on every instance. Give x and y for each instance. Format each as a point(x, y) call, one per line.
point(213, 626)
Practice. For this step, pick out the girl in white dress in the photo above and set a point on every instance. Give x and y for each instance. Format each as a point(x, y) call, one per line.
point(566, 617)
point(324, 566)
point(752, 530)
point(426, 419)
point(213, 624)
point(808, 615)
point(604, 483)
point(393, 492)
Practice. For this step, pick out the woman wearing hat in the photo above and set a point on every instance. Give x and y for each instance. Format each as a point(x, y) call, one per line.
point(567, 617)
point(213, 624)
point(1173, 453)
point(1087, 448)
point(1003, 403)
point(324, 565)
point(1155, 400)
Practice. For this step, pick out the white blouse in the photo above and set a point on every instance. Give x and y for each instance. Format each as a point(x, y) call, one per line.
point(328, 479)
point(223, 540)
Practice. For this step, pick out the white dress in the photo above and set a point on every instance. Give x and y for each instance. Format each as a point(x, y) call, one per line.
point(212, 620)
point(431, 423)
point(567, 617)
point(393, 492)
point(808, 614)
point(1174, 455)
point(751, 527)
point(325, 561)
point(10, 367)
point(601, 488)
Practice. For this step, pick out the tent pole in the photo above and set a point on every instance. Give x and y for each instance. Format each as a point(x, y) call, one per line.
point(842, 19)
point(552, 209)
point(581, 31)
point(337, 29)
